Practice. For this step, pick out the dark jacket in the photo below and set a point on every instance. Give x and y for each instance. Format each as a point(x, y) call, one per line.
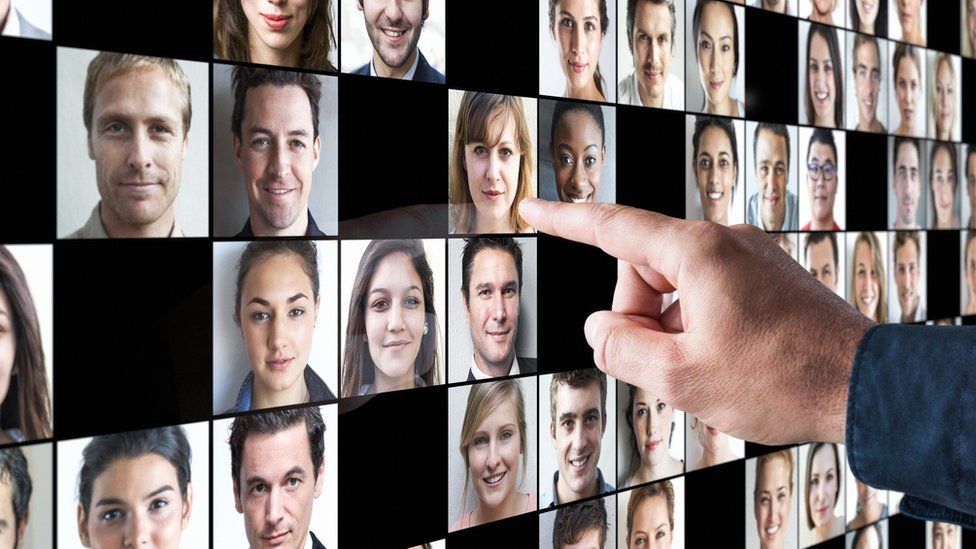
point(526, 366)
point(312, 230)
point(424, 72)
point(318, 391)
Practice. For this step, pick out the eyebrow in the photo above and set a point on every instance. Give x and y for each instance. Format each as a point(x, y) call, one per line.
point(572, 415)
point(720, 38)
point(127, 117)
point(384, 290)
point(570, 149)
point(117, 501)
point(258, 479)
point(506, 284)
point(261, 129)
point(571, 16)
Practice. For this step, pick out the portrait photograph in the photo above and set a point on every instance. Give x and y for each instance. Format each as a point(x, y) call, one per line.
point(968, 19)
point(821, 74)
point(867, 281)
point(827, 12)
point(823, 171)
point(910, 24)
point(789, 243)
point(492, 147)
point(300, 35)
point(100, 192)
point(967, 298)
point(821, 516)
point(392, 293)
point(252, 192)
point(650, 438)
point(652, 515)
point(866, 74)
point(313, 504)
point(872, 536)
point(592, 523)
point(577, 43)
point(943, 534)
point(706, 446)
point(771, 167)
point(945, 95)
point(772, 491)
point(868, 17)
point(26, 19)
point(101, 477)
point(907, 106)
point(823, 255)
point(417, 53)
point(966, 185)
point(785, 7)
point(577, 441)
point(275, 340)
point(907, 193)
point(946, 186)
point(27, 495)
point(865, 505)
point(651, 54)
point(715, 58)
point(27, 345)
point(577, 152)
point(492, 452)
point(715, 160)
point(494, 322)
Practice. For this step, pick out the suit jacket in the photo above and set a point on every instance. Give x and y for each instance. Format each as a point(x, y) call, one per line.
point(311, 230)
point(424, 72)
point(526, 366)
point(316, 544)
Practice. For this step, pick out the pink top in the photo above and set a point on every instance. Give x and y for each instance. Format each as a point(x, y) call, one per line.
point(465, 520)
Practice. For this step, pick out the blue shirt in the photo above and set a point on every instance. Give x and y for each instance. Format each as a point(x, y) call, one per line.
point(911, 418)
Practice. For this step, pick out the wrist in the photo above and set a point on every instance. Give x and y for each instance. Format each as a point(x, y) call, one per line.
point(832, 426)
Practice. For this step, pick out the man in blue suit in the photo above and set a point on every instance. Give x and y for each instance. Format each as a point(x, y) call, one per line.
point(394, 28)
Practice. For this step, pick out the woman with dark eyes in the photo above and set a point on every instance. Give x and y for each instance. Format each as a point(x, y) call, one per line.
point(823, 492)
point(579, 27)
point(391, 333)
point(825, 78)
point(286, 33)
point(25, 412)
point(716, 32)
point(117, 473)
point(650, 516)
point(276, 308)
point(578, 150)
point(652, 425)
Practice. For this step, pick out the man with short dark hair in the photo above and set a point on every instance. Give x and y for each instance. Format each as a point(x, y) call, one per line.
point(491, 290)
point(276, 144)
point(650, 38)
point(15, 494)
point(278, 469)
point(906, 182)
point(394, 28)
point(773, 206)
point(582, 526)
point(578, 419)
point(908, 267)
point(821, 256)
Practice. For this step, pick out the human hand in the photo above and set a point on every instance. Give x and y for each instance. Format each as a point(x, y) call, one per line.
point(755, 346)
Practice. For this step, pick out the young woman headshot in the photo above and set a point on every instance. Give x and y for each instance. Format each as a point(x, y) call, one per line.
point(495, 449)
point(909, 91)
point(774, 501)
point(824, 90)
point(715, 31)
point(822, 490)
point(943, 183)
point(25, 412)
point(652, 425)
point(651, 516)
point(118, 471)
point(276, 309)
point(944, 93)
point(867, 279)
point(578, 150)
point(869, 17)
point(285, 33)
point(391, 331)
point(715, 166)
point(578, 29)
point(491, 164)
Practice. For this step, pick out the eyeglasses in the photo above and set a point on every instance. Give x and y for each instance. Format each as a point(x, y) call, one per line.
point(828, 170)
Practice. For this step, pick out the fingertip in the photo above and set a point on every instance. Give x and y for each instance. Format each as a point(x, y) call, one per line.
point(529, 207)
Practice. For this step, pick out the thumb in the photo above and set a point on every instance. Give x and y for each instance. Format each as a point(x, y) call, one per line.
point(635, 349)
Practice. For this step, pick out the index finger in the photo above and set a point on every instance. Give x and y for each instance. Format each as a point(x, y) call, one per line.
point(636, 236)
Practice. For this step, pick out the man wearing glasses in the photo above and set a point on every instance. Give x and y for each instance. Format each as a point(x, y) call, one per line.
point(822, 181)
point(773, 206)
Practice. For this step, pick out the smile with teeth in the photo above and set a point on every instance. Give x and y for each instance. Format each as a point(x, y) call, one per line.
point(494, 480)
point(821, 96)
point(715, 196)
point(579, 462)
point(578, 197)
point(276, 191)
point(771, 530)
point(394, 33)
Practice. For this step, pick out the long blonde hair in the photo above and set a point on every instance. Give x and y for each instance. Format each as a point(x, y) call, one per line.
point(475, 116)
point(484, 399)
point(869, 239)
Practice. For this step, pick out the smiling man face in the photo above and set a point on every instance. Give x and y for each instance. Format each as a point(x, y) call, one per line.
point(394, 28)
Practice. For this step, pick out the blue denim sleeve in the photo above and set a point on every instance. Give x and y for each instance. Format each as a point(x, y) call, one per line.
point(911, 418)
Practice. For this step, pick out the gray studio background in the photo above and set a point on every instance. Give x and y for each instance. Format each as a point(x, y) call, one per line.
point(458, 333)
point(625, 59)
point(526, 482)
point(230, 198)
point(694, 94)
point(547, 454)
point(752, 533)
point(230, 362)
point(77, 189)
point(552, 79)
point(547, 176)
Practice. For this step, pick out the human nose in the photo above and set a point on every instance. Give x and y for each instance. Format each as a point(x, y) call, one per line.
point(137, 531)
point(395, 320)
point(392, 10)
point(579, 438)
point(575, 39)
point(279, 166)
point(494, 456)
point(493, 168)
point(276, 333)
point(140, 157)
point(498, 312)
point(274, 510)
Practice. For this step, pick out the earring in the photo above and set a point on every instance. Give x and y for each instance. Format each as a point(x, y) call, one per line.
point(426, 328)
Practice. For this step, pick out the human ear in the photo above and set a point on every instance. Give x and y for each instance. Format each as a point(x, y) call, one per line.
point(83, 528)
point(187, 505)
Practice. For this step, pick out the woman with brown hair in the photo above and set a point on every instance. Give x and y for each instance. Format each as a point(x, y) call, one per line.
point(288, 33)
point(25, 413)
point(391, 334)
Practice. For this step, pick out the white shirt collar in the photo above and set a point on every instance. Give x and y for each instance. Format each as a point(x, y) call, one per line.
point(12, 27)
point(479, 375)
point(410, 73)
